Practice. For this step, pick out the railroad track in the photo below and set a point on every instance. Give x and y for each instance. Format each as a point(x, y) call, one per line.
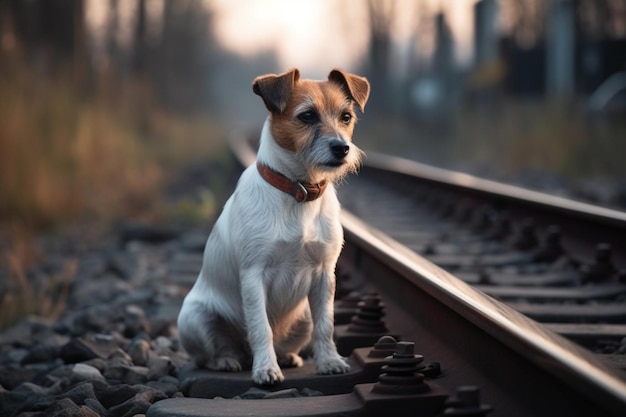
point(456, 296)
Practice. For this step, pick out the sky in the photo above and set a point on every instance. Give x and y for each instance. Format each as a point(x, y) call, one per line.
point(309, 34)
point(312, 33)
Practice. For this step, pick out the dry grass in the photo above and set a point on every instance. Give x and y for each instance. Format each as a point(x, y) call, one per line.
point(23, 298)
point(509, 139)
point(64, 155)
point(73, 155)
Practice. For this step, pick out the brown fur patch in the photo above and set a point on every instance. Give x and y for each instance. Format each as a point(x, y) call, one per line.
point(327, 99)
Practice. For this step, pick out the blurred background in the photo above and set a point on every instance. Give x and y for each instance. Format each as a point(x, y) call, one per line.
point(106, 103)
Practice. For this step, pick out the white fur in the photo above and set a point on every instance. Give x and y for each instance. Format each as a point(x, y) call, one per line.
point(267, 283)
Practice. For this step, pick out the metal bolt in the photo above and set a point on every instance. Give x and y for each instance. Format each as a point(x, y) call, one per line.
point(401, 372)
point(385, 346)
point(368, 318)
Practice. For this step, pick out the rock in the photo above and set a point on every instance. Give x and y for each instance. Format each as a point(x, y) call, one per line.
point(85, 411)
point(167, 384)
point(139, 351)
point(163, 344)
point(42, 353)
point(119, 367)
point(23, 333)
point(62, 408)
point(12, 377)
point(129, 409)
point(29, 397)
point(138, 404)
point(135, 321)
point(95, 405)
point(136, 375)
point(68, 375)
point(160, 366)
point(114, 395)
point(13, 357)
point(82, 349)
point(254, 393)
point(98, 363)
point(11, 403)
point(284, 393)
point(115, 350)
point(307, 392)
point(122, 264)
point(82, 372)
point(164, 387)
point(120, 356)
point(80, 392)
point(93, 296)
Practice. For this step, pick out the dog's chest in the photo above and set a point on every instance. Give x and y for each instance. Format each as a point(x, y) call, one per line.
point(308, 243)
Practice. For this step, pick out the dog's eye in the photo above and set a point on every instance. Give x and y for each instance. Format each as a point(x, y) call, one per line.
point(346, 117)
point(308, 117)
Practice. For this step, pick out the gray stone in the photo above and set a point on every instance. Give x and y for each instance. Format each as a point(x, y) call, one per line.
point(29, 397)
point(139, 351)
point(42, 353)
point(163, 343)
point(114, 395)
point(81, 392)
point(135, 321)
point(86, 411)
point(307, 392)
point(13, 356)
point(119, 355)
point(129, 408)
point(12, 377)
point(284, 393)
point(160, 366)
point(11, 403)
point(82, 349)
point(98, 363)
point(138, 404)
point(254, 393)
point(82, 372)
point(22, 334)
point(95, 405)
point(62, 408)
point(120, 368)
point(136, 375)
point(167, 385)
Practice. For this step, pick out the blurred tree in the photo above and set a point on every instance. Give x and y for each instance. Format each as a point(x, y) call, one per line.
point(381, 17)
point(50, 33)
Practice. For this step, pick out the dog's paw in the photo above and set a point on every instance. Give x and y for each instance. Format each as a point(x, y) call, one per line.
point(290, 360)
point(336, 365)
point(269, 375)
point(225, 364)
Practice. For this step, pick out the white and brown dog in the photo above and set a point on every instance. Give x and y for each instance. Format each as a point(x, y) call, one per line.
point(267, 282)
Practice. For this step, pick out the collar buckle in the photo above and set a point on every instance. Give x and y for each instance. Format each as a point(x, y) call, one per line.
point(299, 192)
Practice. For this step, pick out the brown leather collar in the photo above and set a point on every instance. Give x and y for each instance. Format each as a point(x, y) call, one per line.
point(300, 191)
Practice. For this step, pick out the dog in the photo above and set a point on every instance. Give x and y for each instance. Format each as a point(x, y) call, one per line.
point(266, 287)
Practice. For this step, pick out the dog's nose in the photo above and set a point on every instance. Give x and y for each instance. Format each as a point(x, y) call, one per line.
point(339, 148)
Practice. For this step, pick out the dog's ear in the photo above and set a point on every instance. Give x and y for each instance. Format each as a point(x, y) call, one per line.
point(356, 88)
point(275, 89)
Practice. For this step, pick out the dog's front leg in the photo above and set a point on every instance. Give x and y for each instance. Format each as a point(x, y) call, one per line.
point(321, 298)
point(265, 369)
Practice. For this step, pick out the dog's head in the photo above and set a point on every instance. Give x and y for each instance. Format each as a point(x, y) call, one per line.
point(315, 119)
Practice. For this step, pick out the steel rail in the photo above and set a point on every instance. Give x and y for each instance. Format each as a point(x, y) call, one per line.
point(569, 363)
point(557, 204)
